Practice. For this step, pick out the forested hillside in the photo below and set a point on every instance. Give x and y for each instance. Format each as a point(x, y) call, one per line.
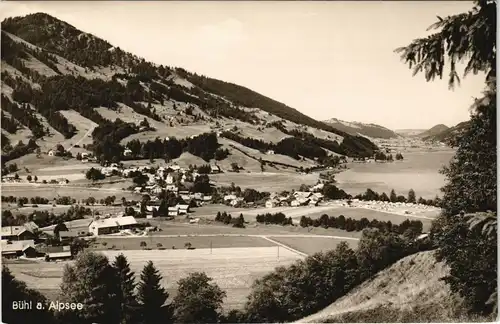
point(355, 128)
point(49, 67)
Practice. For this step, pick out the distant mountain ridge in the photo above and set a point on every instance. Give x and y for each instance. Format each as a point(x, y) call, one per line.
point(448, 134)
point(433, 131)
point(357, 128)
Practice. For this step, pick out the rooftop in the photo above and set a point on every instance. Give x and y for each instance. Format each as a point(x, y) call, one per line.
point(113, 222)
point(16, 245)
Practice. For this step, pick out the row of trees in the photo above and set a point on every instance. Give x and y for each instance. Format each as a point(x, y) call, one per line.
point(276, 218)
point(370, 195)
point(10, 153)
point(33, 200)
point(204, 145)
point(110, 294)
point(410, 228)
point(227, 219)
point(44, 218)
point(305, 287)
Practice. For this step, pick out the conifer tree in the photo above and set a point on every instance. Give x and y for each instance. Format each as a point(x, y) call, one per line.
point(152, 296)
point(393, 196)
point(125, 291)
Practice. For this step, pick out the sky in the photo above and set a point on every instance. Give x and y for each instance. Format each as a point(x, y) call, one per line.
point(325, 59)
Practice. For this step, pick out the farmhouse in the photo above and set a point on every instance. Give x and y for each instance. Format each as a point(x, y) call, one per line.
point(50, 153)
point(58, 255)
point(111, 225)
point(127, 152)
point(18, 248)
point(17, 233)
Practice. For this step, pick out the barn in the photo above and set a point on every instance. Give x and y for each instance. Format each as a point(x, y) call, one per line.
point(111, 225)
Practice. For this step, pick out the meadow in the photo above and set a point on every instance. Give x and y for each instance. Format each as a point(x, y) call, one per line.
point(310, 245)
point(265, 181)
point(233, 269)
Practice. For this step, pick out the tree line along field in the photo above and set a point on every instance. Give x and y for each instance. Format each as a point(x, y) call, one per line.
point(234, 269)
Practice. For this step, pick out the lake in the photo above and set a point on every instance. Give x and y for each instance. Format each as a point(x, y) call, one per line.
point(418, 171)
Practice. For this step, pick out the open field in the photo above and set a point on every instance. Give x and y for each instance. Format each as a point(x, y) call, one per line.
point(198, 242)
point(84, 128)
point(233, 269)
point(311, 245)
point(265, 181)
point(179, 228)
point(77, 192)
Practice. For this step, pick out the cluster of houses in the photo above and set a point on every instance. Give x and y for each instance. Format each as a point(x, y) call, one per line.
point(297, 198)
point(20, 241)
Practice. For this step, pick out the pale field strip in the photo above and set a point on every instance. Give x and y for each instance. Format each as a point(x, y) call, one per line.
point(34, 64)
point(268, 181)
point(235, 235)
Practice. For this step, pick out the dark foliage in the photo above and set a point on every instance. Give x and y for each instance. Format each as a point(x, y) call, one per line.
point(409, 228)
point(15, 291)
point(277, 218)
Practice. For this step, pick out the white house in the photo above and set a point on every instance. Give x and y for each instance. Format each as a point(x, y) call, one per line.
point(229, 197)
point(172, 188)
point(50, 153)
point(236, 202)
point(111, 225)
point(215, 169)
point(270, 152)
point(127, 152)
point(173, 211)
point(170, 179)
point(183, 209)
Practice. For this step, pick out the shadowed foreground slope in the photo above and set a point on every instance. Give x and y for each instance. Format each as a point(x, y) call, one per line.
point(408, 291)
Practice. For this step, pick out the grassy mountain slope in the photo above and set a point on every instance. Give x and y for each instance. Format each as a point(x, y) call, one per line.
point(355, 128)
point(433, 131)
point(408, 291)
point(72, 78)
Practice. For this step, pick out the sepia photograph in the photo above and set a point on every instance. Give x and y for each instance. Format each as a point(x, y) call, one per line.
point(248, 162)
